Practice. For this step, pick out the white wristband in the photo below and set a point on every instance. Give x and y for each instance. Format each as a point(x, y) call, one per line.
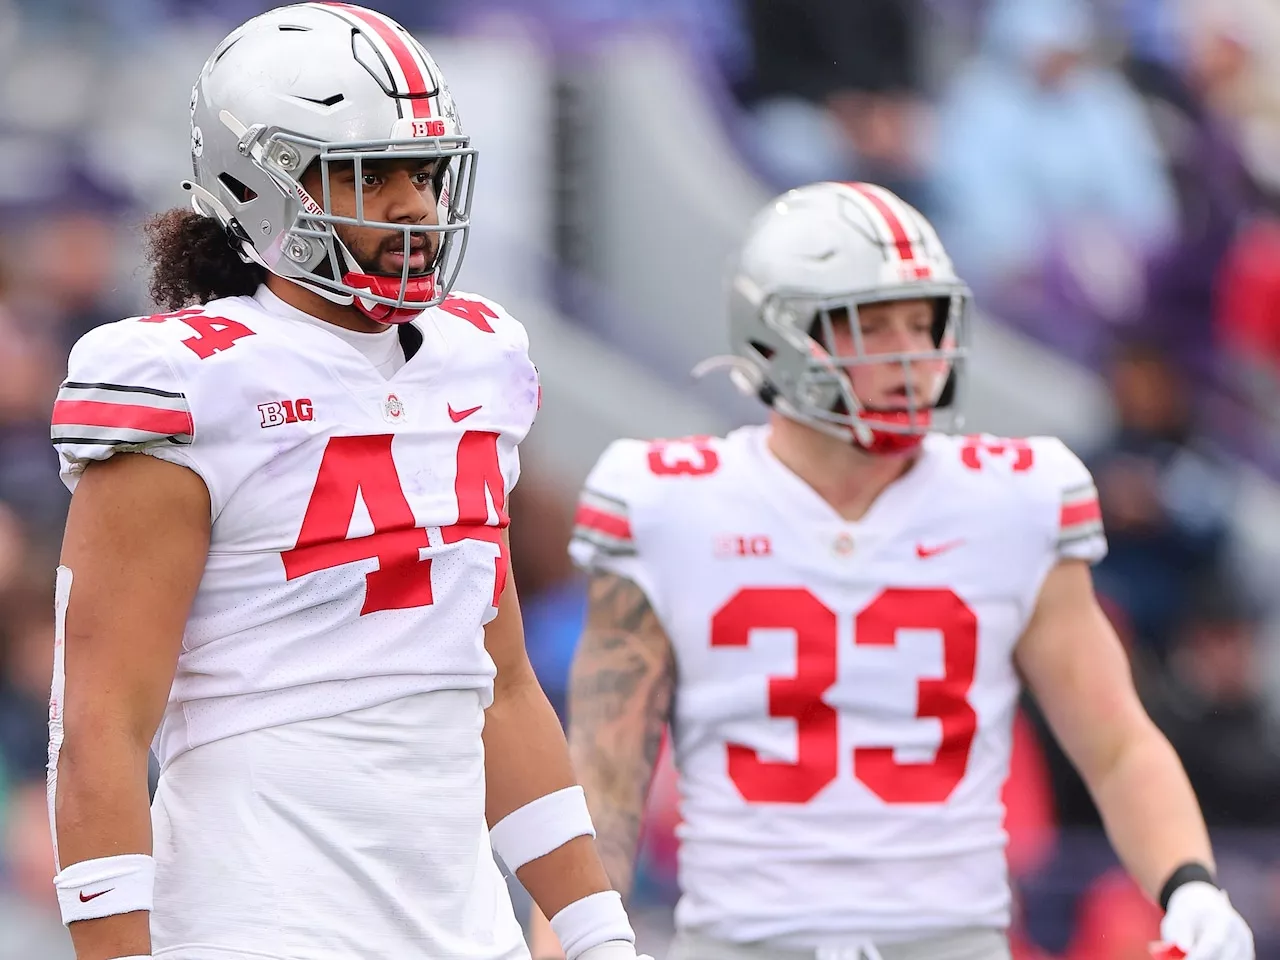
point(591, 921)
point(540, 826)
point(105, 887)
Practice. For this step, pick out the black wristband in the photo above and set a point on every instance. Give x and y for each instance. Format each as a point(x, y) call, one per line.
point(1187, 873)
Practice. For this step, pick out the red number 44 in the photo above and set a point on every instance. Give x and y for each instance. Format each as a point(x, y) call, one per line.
point(213, 334)
point(800, 697)
point(364, 465)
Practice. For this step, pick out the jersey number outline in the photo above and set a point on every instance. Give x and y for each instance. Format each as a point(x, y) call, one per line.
point(977, 451)
point(799, 697)
point(683, 457)
point(402, 580)
point(473, 311)
point(213, 334)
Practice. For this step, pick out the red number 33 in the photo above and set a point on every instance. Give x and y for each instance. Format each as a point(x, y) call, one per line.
point(978, 451)
point(690, 457)
point(800, 696)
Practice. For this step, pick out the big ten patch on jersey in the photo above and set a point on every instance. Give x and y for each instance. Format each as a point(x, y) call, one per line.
point(276, 413)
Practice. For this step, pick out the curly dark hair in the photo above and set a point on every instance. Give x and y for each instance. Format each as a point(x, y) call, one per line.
point(192, 261)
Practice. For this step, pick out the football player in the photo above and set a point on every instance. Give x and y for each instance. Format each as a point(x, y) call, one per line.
point(835, 613)
point(286, 565)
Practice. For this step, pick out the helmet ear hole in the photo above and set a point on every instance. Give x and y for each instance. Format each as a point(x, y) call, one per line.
point(238, 190)
point(817, 331)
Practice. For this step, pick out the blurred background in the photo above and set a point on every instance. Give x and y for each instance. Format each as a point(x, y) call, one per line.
point(1106, 174)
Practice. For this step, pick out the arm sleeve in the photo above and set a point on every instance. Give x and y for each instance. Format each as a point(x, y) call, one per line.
point(609, 525)
point(121, 395)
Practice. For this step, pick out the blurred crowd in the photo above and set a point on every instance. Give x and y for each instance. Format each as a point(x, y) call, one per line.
point(1107, 176)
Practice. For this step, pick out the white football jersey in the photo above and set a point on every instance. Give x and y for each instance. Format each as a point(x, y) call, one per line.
point(845, 690)
point(322, 784)
point(355, 552)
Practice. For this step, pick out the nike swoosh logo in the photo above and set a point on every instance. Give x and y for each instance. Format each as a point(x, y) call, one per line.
point(457, 416)
point(94, 896)
point(924, 553)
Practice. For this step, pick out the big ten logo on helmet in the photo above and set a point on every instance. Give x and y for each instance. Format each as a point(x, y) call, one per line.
point(278, 412)
point(915, 270)
point(736, 545)
point(428, 128)
point(905, 271)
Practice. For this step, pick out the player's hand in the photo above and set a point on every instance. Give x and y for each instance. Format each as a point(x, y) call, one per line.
point(1202, 923)
point(613, 950)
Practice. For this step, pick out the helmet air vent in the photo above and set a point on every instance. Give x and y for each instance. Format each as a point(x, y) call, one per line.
point(330, 101)
point(238, 190)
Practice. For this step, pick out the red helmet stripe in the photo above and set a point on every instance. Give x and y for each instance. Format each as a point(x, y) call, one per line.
point(413, 69)
point(906, 250)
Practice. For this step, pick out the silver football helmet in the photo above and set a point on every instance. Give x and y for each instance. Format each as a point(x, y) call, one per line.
point(826, 247)
point(327, 83)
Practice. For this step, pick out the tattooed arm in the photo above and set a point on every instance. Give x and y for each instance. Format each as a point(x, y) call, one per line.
point(620, 695)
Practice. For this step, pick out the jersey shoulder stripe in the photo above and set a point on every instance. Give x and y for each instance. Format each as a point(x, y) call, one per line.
point(1081, 514)
point(604, 522)
point(115, 414)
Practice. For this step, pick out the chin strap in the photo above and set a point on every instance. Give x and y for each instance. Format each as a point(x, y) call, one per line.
point(885, 442)
point(416, 290)
point(747, 377)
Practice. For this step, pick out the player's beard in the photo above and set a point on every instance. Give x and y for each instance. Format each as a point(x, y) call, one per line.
point(369, 253)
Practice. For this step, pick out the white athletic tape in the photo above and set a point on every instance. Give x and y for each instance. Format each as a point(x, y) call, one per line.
point(540, 826)
point(592, 921)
